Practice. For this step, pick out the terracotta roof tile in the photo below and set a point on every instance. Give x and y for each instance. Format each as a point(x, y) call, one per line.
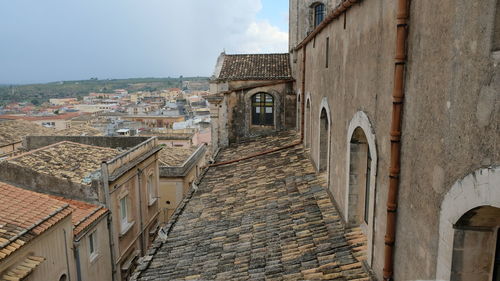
point(84, 214)
point(66, 160)
point(255, 67)
point(24, 215)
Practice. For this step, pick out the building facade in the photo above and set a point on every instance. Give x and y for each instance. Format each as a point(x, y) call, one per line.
point(125, 182)
point(441, 151)
point(250, 95)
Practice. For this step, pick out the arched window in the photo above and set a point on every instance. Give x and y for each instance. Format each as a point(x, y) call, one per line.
point(318, 13)
point(307, 124)
point(262, 109)
point(476, 245)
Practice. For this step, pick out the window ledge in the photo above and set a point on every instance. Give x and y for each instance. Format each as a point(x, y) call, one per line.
point(126, 228)
point(151, 202)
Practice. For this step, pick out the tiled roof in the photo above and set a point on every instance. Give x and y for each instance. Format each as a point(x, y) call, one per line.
point(175, 156)
point(84, 214)
point(79, 130)
point(267, 217)
point(67, 160)
point(255, 67)
point(24, 215)
point(23, 269)
point(14, 130)
point(64, 116)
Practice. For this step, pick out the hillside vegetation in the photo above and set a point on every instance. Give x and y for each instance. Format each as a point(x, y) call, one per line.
point(39, 93)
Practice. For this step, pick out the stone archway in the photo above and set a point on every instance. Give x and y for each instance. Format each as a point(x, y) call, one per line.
point(361, 175)
point(324, 136)
point(477, 193)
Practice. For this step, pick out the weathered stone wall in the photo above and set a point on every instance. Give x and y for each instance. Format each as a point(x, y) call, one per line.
point(239, 110)
point(358, 79)
point(45, 183)
point(450, 119)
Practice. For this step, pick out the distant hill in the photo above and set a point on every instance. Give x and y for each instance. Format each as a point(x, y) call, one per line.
point(39, 93)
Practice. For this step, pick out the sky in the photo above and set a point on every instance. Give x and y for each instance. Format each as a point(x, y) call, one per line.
point(60, 40)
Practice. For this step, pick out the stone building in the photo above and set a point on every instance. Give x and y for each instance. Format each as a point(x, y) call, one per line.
point(250, 95)
point(121, 174)
point(422, 183)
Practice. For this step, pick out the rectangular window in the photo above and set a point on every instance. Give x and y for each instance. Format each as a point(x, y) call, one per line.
point(124, 212)
point(92, 245)
point(327, 51)
point(151, 191)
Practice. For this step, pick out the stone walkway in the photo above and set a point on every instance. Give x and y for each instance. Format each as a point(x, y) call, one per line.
point(265, 218)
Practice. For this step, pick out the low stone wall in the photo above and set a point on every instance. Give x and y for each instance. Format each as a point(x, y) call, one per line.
point(44, 183)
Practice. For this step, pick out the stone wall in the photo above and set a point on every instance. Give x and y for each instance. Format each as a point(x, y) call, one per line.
point(450, 119)
point(45, 183)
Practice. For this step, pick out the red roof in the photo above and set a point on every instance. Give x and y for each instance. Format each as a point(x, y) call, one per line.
point(64, 116)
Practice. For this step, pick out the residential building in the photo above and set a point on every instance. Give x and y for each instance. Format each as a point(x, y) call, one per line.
point(54, 121)
point(91, 249)
point(124, 180)
point(179, 168)
point(35, 236)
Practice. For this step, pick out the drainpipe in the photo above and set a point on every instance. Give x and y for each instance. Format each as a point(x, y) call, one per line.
point(303, 90)
point(66, 253)
point(77, 259)
point(396, 124)
point(108, 203)
point(141, 234)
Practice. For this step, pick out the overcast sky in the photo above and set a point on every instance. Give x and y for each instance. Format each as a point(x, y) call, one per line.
point(54, 40)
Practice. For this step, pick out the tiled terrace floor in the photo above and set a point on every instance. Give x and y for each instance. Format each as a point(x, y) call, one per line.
point(265, 218)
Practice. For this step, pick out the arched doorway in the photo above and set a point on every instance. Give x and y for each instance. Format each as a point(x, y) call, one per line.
point(359, 178)
point(476, 246)
point(324, 125)
point(263, 109)
point(361, 175)
point(307, 124)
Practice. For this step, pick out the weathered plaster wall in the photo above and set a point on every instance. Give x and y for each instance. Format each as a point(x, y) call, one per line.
point(98, 267)
point(451, 119)
point(358, 78)
point(55, 246)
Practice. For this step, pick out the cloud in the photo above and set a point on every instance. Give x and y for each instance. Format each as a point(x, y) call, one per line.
point(65, 40)
point(262, 37)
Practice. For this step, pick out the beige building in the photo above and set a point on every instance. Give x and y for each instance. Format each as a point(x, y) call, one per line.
point(179, 168)
point(56, 121)
point(173, 138)
point(91, 246)
point(35, 236)
point(125, 181)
